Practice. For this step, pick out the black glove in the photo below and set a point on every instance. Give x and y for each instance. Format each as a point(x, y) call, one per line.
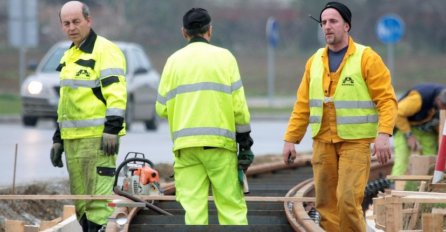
point(56, 155)
point(245, 159)
point(244, 140)
point(110, 143)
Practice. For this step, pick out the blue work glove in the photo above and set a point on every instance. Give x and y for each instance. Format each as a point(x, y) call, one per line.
point(245, 158)
point(110, 144)
point(56, 154)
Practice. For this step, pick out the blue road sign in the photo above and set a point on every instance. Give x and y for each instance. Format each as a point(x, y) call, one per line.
point(390, 29)
point(272, 32)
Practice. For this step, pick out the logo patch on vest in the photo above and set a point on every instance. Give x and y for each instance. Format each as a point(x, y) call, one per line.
point(348, 81)
point(83, 74)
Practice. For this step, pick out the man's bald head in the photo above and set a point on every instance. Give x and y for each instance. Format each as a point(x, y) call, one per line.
point(75, 6)
point(76, 21)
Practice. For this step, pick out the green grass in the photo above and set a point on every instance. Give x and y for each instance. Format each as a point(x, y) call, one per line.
point(10, 104)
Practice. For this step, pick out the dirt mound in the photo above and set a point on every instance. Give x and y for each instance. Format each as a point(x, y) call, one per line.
point(33, 211)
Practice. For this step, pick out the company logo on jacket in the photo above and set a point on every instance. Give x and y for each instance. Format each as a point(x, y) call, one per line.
point(82, 73)
point(348, 81)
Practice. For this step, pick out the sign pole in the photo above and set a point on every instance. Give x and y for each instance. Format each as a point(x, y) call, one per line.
point(390, 57)
point(271, 74)
point(272, 35)
point(390, 30)
point(23, 29)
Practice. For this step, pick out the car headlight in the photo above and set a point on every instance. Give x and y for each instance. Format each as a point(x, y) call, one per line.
point(35, 87)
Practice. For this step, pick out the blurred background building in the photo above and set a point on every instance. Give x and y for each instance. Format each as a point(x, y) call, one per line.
point(239, 25)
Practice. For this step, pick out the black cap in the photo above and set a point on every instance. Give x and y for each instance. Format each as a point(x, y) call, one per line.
point(342, 9)
point(196, 18)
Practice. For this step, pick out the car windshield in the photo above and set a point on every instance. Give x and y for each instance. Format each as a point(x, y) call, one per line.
point(53, 60)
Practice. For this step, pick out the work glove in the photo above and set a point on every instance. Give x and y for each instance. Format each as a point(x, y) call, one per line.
point(245, 159)
point(244, 141)
point(110, 143)
point(56, 155)
point(243, 180)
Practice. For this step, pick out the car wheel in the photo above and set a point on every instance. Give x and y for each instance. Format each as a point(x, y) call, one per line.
point(152, 124)
point(29, 121)
point(129, 115)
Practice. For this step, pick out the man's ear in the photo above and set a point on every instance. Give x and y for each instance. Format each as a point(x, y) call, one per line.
point(184, 33)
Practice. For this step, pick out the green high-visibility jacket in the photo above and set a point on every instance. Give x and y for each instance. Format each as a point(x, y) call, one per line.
point(93, 91)
point(356, 114)
point(202, 96)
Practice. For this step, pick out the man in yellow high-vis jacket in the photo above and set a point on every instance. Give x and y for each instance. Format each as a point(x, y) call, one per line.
point(202, 97)
point(347, 98)
point(91, 111)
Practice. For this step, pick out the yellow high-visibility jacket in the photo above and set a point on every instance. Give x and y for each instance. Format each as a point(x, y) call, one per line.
point(93, 91)
point(202, 96)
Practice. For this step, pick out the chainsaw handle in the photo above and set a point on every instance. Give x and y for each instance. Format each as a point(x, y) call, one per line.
point(126, 161)
point(135, 154)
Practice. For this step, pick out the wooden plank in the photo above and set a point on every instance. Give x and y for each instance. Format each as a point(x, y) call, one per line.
point(31, 228)
point(414, 193)
point(432, 222)
point(421, 164)
point(393, 214)
point(48, 224)
point(379, 211)
point(414, 216)
point(14, 226)
point(439, 211)
point(143, 197)
point(439, 187)
point(68, 210)
point(410, 177)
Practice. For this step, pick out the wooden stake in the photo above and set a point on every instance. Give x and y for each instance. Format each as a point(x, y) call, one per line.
point(432, 222)
point(14, 226)
point(15, 165)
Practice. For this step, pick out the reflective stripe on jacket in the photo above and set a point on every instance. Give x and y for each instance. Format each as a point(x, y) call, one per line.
point(92, 87)
point(356, 114)
point(202, 96)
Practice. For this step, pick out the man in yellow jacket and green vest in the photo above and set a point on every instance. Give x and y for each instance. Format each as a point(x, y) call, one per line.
point(202, 96)
point(418, 123)
point(93, 96)
point(347, 98)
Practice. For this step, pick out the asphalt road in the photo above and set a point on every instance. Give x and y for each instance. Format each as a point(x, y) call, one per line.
point(33, 145)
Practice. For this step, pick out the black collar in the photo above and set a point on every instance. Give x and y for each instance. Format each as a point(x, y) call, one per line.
point(88, 44)
point(198, 39)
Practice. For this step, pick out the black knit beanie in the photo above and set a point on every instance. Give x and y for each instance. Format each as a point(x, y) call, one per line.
point(342, 9)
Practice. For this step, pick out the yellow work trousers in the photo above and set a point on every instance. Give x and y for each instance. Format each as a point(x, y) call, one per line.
point(91, 173)
point(198, 168)
point(341, 171)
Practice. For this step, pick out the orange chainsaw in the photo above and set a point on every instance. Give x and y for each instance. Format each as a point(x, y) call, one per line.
point(138, 178)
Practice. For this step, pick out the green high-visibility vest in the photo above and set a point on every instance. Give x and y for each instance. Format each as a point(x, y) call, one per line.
point(356, 114)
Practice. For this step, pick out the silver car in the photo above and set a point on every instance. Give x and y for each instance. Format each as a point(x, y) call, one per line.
point(40, 91)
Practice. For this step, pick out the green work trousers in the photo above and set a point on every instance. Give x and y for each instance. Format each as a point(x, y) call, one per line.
point(198, 168)
point(427, 140)
point(91, 173)
point(341, 171)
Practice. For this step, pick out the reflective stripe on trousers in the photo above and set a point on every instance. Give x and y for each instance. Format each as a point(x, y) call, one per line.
point(197, 168)
point(341, 171)
point(83, 156)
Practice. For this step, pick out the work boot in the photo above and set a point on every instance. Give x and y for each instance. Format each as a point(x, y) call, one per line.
point(84, 223)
